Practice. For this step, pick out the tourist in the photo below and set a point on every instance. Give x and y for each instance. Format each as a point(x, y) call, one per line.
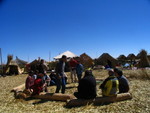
point(46, 82)
point(110, 85)
point(87, 86)
point(38, 85)
point(60, 75)
point(29, 81)
point(123, 82)
point(36, 72)
point(53, 78)
point(73, 64)
point(79, 70)
point(42, 67)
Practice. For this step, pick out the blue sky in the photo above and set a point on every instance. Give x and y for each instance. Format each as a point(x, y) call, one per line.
point(33, 28)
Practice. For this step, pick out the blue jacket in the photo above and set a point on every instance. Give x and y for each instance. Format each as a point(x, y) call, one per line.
point(79, 69)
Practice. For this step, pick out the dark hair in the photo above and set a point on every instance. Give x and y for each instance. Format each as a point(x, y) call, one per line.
point(36, 71)
point(88, 73)
point(31, 72)
point(64, 56)
point(118, 71)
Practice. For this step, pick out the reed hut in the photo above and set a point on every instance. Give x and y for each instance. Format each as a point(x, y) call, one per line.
point(106, 59)
point(148, 56)
point(131, 57)
point(122, 59)
point(12, 66)
point(33, 65)
point(86, 60)
point(21, 63)
point(138, 56)
point(144, 61)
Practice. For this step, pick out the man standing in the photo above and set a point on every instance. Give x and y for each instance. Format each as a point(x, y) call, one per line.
point(79, 70)
point(60, 75)
point(42, 67)
point(73, 63)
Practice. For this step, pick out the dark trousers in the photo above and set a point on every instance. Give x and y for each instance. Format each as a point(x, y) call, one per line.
point(79, 76)
point(61, 84)
point(76, 94)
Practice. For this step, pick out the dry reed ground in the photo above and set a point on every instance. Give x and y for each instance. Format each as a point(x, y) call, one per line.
point(140, 88)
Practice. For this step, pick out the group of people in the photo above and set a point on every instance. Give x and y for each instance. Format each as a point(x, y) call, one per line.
point(76, 69)
point(38, 81)
point(115, 83)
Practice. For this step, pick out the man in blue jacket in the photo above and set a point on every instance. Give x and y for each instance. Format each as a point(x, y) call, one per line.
point(79, 70)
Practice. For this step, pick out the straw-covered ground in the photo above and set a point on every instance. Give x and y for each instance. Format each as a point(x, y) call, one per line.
point(139, 84)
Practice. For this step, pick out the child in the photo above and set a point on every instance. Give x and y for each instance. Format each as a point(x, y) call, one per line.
point(46, 80)
point(38, 85)
point(29, 81)
point(53, 78)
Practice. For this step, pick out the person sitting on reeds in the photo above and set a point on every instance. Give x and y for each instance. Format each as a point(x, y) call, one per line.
point(46, 81)
point(29, 81)
point(86, 87)
point(53, 78)
point(110, 85)
point(36, 72)
point(38, 85)
point(123, 82)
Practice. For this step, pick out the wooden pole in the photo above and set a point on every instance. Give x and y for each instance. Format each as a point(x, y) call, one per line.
point(99, 100)
point(1, 60)
point(18, 88)
point(49, 56)
point(55, 96)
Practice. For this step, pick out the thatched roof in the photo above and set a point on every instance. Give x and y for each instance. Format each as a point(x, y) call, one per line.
point(138, 56)
point(13, 66)
point(86, 60)
point(35, 62)
point(131, 56)
point(13, 62)
point(144, 61)
point(122, 57)
point(105, 59)
point(85, 57)
point(148, 56)
point(142, 52)
point(20, 62)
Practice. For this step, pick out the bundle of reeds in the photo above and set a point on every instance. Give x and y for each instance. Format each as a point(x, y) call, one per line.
point(144, 61)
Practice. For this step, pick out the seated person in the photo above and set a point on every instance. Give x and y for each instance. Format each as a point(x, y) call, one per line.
point(46, 82)
point(38, 85)
point(110, 85)
point(123, 82)
point(29, 81)
point(53, 78)
point(35, 74)
point(86, 87)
